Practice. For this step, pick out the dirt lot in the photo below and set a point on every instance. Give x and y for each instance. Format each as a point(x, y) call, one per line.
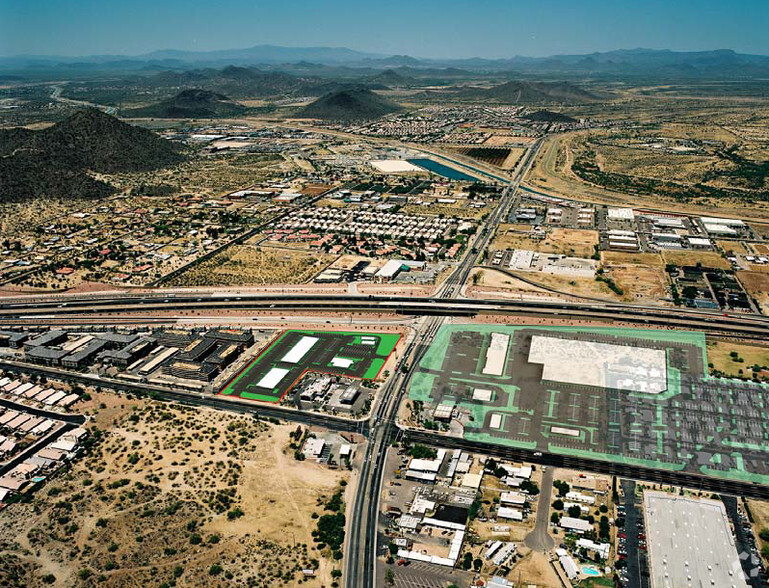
point(175, 495)
point(572, 242)
point(646, 284)
point(621, 257)
point(543, 283)
point(249, 265)
point(735, 247)
point(536, 570)
point(719, 354)
point(756, 284)
point(706, 258)
point(458, 210)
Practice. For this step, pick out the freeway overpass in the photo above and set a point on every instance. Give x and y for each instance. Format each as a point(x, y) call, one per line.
point(152, 305)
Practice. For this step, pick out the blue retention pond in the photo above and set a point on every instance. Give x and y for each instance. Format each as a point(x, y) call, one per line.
point(442, 170)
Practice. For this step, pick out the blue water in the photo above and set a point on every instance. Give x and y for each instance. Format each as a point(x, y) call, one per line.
point(590, 571)
point(442, 170)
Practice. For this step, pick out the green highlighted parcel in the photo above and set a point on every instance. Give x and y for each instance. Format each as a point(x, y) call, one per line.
point(633, 396)
point(275, 371)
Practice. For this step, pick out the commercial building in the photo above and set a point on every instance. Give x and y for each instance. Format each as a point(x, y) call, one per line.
point(690, 543)
point(300, 349)
point(496, 354)
point(605, 365)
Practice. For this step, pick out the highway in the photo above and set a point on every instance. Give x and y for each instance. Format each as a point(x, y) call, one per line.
point(152, 307)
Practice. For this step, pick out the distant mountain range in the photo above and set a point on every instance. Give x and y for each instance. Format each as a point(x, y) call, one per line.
point(349, 104)
point(529, 93)
point(722, 63)
point(55, 161)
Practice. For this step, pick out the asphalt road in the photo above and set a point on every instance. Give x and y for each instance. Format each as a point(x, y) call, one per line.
point(636, 561)
point(362, 558)
point(539, 539)
point(51, 311)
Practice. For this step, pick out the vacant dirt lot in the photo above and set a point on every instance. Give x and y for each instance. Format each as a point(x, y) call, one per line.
point(572, 242)
point(756, 284)
point(249, 265)
point(706, 258)
point(719, 354)
point(172, 495)
point(621, 257)
point(542, 283)
point(646, 284)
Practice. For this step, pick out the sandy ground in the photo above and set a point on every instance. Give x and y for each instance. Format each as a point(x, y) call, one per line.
point(756, 284)
point(571, 242)
point(535, 569)
point(494, 284)
point(706, 258)
point(760, 511)
point(150, 504)
point(643, 284)
point(552, 174)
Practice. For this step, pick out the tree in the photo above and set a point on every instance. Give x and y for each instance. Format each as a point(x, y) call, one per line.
point(558, 504)
point(467, 561)
point(422, 452)
point(574, 511)
point(477, 564)
point(389, 577)
point(563, 487)
point(603, 528)
point(690, 292)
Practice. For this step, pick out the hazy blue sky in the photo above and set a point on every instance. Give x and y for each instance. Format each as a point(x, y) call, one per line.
point(423, 28)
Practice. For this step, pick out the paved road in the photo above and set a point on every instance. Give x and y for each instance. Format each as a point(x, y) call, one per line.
point(539, 539)
point(362, 558)
point(636, 560)
point(751, 565)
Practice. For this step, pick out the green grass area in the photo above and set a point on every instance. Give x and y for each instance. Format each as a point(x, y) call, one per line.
point(376, 365)
point(262, 397)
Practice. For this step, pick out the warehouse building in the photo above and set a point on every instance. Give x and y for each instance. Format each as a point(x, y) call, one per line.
point(496, 355)
point(690, 543)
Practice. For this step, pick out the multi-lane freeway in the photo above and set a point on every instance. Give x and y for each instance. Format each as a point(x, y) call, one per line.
point(151, 307)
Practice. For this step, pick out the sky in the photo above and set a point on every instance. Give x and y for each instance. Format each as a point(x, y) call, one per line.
point(421, 28)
